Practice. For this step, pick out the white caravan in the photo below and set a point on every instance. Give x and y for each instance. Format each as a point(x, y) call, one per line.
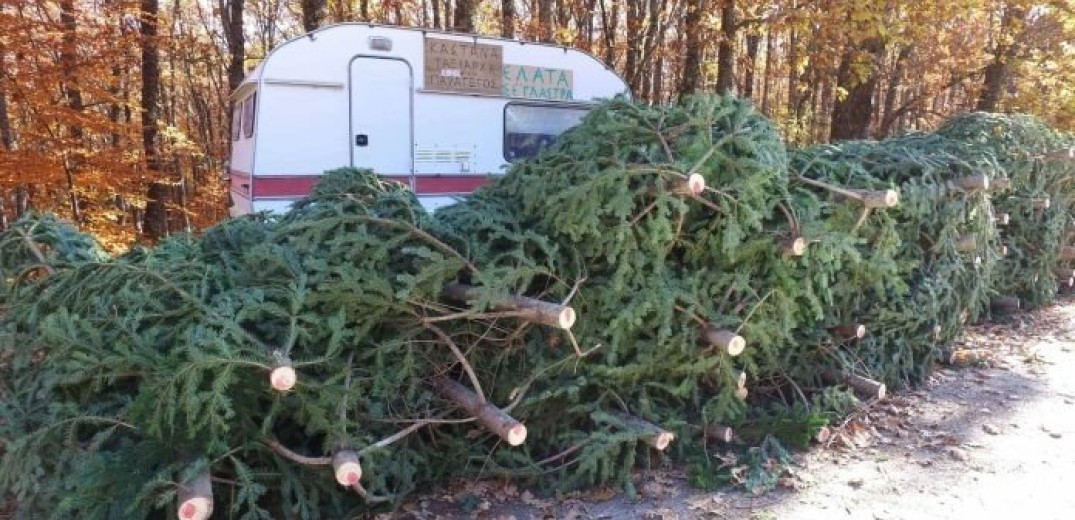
point(439, 112)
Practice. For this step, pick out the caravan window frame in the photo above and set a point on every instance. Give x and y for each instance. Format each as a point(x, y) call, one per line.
point(249, 112)
point(506, 141)
point(236, 121)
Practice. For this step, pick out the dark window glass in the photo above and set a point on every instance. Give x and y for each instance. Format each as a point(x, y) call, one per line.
point(236, 121)
point(530, 128)
point(248, 115)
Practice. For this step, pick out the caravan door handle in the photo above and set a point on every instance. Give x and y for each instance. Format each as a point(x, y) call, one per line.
point(362, 140)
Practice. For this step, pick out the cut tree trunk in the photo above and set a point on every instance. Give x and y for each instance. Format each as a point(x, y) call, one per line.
point(196, 498)
point(878, 198)
point(793, 246)
point(850, 331)
point(725, 340)
point(283, 377)
point(966, 244)
point(863, 386)
point(1005, 304)
point(529, 309)
point(346, 467)
point(719, 432)
point(657, 437)
point(973, 183)
point(490, 417)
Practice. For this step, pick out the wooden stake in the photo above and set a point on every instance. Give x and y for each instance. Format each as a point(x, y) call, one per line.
point(196, 498)
point(283, 376)
point(725, 340)
point(966, 243)
point(863, 386)
point(1042, 203)
point(657, 437)
point(794, 246)
point(1003, 250)
point(530, 309)
point(492, 418)
point(849, 331)
point(346, 466)
point(973, 183)
point(1003, 219)
point(1005, 304)
point(719, 432)
point(741, 381)
point(878, 198)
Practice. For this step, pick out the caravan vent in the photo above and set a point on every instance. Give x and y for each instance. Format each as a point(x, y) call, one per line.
point(440, 156)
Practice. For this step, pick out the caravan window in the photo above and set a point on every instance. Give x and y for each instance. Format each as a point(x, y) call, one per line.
point(529, 128)
point(236, 120)
point(248, 115)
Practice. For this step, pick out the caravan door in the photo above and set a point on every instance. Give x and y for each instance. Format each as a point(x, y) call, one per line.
point(381, 117)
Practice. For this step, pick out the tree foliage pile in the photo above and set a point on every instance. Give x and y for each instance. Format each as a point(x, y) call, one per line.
point(1036, 211)
point(273, 352)
point(661, 268)
point(130, 375)
point(940, 243)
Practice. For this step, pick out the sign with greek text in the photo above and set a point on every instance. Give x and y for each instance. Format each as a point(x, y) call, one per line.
point(463, 66)
point(523, 81)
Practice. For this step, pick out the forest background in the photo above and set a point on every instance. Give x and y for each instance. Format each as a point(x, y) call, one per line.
point(115, 113)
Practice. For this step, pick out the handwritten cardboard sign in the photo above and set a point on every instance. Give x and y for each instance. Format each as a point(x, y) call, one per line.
point(523, 81)
point(463, 66)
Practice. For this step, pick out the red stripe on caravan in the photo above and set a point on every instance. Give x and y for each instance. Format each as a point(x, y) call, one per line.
point(448, 185)
point(300, 185)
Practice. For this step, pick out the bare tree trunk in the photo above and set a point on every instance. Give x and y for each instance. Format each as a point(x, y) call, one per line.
point(507, 18)
point(650, 41)
point(851, 115)
point(7, 138)
point(544, 15)
point(690, 78)
point(726, 49)
point(769, 51)
point(793, 70)
point(69, 63)
point(892, 91)
point(610, 21)
point(464, 16)
point(232, 18)
point(634, 43)
point(313, 14)
point(753, 43)
point(996, 73)
point(156, 219)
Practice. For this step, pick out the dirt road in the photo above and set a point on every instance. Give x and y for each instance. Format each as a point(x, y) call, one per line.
point(995, 440)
